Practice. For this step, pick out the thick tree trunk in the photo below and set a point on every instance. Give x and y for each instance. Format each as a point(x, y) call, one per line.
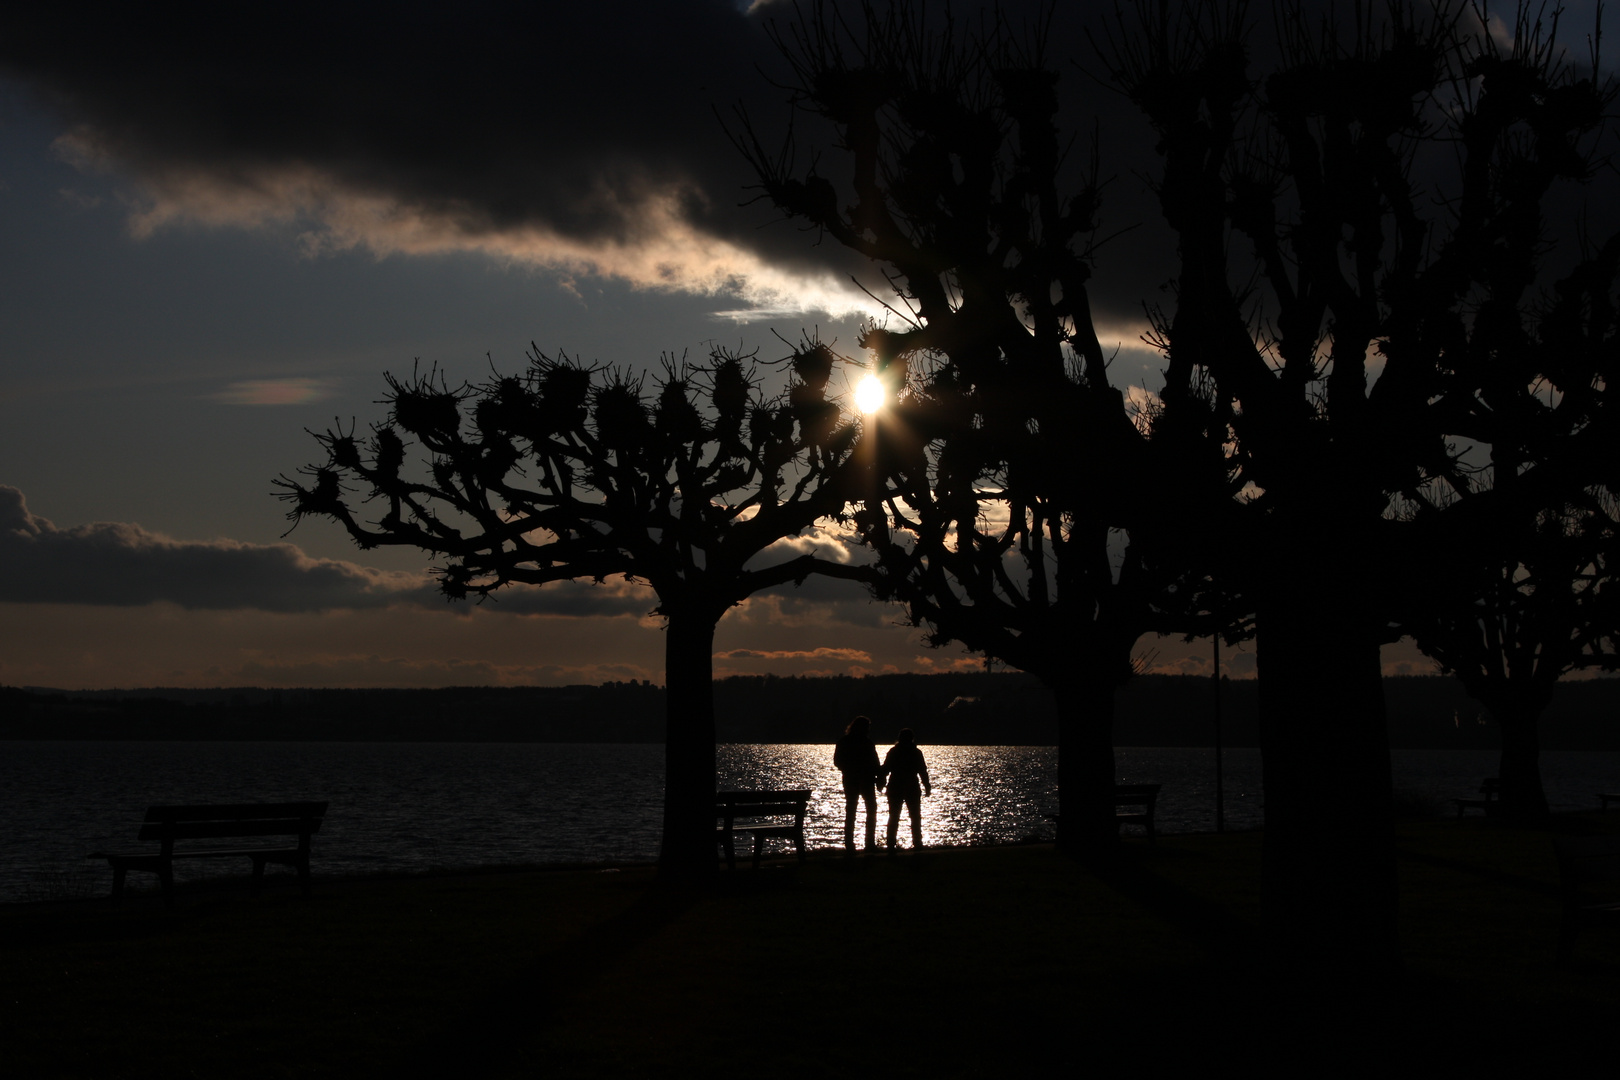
point(689, 848)
point(1523, 797)
point(1085, 712)
point(1328, 867)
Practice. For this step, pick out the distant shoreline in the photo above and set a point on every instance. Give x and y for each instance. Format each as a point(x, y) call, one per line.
point(953, 709)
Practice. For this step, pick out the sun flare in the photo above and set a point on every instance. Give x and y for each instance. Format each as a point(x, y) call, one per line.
point(870, 394)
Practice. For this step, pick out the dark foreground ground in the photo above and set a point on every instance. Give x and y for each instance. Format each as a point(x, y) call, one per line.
point(971, 962)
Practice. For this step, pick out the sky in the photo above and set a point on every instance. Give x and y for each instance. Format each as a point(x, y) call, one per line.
point(216, 233)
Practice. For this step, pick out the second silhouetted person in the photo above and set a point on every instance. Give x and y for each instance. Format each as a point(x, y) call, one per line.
point(908, 783)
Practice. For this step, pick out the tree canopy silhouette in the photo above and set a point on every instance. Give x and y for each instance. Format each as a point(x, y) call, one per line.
point(571, 471)
point(1526, 592)
point(1342, 215)
point(1009, 508)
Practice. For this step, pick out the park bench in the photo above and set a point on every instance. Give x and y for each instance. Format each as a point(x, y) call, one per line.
point(167, 824)
point(1134, 804)
point(1489, 789)
point(1589, 883)
point(750, 806)
point(1605, 798)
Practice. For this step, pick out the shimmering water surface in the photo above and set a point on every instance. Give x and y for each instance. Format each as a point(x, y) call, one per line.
point(412, 806)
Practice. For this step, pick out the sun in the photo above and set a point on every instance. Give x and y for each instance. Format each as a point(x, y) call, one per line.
point(870, 394)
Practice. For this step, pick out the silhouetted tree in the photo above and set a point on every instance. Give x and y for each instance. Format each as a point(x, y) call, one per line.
point(575, 472)
point(1011, 507)
point(1527, 593)
point(1380, 176)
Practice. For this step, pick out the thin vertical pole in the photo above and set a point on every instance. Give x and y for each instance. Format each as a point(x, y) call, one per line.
point(1220, 786)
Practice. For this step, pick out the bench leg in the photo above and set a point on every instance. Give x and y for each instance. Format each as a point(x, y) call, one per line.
point(759, 844)
point(165, 874)
point(303, 874)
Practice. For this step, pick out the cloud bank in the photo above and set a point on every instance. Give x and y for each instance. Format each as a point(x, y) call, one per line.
point(121, 564)
point(585, 138)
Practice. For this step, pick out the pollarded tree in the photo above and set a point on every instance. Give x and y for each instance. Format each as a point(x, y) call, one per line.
point(1016, 507)
point(573, 472)
point(1526, 592)
point(1340, 215)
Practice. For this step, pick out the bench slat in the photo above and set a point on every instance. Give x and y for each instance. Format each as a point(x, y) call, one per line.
point(761, 810)
point(743, 797)
point(208, 830)
point(236, 811)
point(191, 853)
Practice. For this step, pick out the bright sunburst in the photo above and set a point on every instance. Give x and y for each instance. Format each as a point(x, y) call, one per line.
point(870, 394)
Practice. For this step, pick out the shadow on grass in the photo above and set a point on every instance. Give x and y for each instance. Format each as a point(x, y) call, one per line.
point(1231, 941)
point(484, 1038)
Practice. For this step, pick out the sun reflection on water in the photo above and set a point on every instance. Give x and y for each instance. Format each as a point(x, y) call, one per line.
point(407, 807)
point(982, 794)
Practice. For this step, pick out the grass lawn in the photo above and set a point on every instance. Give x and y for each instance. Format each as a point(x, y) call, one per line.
point(965, 962)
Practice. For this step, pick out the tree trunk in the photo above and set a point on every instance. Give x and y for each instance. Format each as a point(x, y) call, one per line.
point(1328, 866)
point(1085, 715)
point(1522, 796)
point(689, 848)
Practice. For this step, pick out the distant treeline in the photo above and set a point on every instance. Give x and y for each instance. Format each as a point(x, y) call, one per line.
point(1425, 712)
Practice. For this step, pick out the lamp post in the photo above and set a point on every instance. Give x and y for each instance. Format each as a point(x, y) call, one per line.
point(1220, 788)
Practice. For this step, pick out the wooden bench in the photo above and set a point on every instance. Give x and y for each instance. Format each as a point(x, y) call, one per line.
point(1134, 804)
point(729, 806)
point(1489, 789)
point(1589, 882)
point(167, 824)
point(1605, 798)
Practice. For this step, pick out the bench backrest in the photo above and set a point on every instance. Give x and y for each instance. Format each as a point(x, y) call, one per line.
point(171, 823)
point(1490, 787)
point(736, 804)
point(1136, 794)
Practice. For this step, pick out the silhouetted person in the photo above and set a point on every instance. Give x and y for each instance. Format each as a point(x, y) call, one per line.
point(908, 783)
point(856, 757)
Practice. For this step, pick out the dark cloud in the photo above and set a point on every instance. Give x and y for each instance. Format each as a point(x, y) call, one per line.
point(582, 135)
point(482, 118)
point(530, 128)
point(498, 112)
point(121, 565)
point(582, 599)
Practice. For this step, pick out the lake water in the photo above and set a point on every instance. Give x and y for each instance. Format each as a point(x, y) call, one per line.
point(402, 807)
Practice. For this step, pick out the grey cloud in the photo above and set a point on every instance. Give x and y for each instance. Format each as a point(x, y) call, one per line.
point(591, 122)
point(582, 133)
point(574, 598)
point(492, 116)
point(121, 564)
